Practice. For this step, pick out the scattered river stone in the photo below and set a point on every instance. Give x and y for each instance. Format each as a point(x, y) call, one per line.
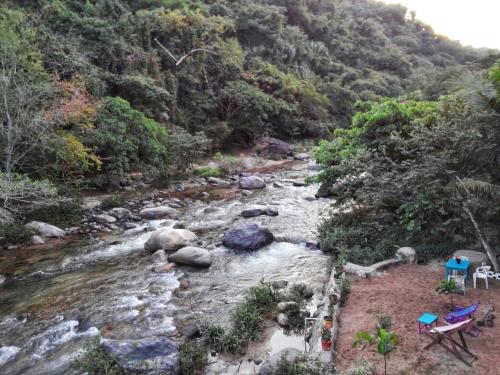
point(37, 240)
point(2, 279)
point(192, 256)
point(45, 230)
point(246, 193)
point(103, 219)
point(282, 319)
point(129, 225)
point(146, 356)
point(159, 256)
point(253, 211)
point(247, 237)
point(302, 156)
point(252, 182)
point(159, 212)
point(120, 213)
point(272, 212)
point(299, 183)
point(167, 267)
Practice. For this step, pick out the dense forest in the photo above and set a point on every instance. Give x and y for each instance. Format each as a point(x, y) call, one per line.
point(94, 90)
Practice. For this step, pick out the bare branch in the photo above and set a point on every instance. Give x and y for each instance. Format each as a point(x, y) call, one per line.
point(192, 52)
point(166, 50)
point(179, 61)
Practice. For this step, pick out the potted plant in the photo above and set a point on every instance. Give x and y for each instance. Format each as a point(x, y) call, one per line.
point(328, 319)
point(326, 339)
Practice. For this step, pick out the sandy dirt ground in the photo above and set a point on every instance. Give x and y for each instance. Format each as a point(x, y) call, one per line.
point(403, 293)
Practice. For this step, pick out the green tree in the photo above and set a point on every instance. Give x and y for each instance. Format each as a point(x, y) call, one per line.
point(386, 342)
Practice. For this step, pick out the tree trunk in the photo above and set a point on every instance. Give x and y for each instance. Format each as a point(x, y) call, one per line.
point(385, 364)
point(487, 248)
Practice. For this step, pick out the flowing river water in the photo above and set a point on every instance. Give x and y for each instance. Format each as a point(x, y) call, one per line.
point(57, 299)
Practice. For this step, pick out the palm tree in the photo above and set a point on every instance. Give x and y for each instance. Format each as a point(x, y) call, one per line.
point(483, 95)
point(386, 342)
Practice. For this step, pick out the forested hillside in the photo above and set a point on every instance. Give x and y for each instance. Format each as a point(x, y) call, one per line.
point(93, 90)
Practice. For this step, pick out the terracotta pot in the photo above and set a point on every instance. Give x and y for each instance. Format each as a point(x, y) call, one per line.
point(328, 322)
point(326, 345)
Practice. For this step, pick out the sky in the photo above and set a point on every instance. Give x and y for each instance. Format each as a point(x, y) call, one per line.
point(472, 22)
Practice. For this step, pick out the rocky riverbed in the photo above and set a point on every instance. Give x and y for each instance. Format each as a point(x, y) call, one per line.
point(58, 297)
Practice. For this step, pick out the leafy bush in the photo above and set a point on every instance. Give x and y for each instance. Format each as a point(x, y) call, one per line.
point(193, 358)
point(228, 164)
point(65, 213)
point(112, 201)
point(125, 140)
point(303, 365)
point(14, 234)
point(246, 320)
point(345, 289)
point(427, 252)
point(94, 361)
point(299, 292)
point(363, 367)
point(208, 171)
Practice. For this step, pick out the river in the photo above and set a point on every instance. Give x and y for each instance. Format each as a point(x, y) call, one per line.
point(57, 299)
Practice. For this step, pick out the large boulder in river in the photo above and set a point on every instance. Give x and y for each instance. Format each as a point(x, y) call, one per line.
point(274, 148)
point(169, 239)
point(247, 237)
point(192, 256)
point(272, 364)
point(45, 230)
point(153, 355)
point(159, 212)
point(252, 182)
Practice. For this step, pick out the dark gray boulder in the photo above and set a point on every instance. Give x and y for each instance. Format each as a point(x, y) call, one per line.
point(247, 237)
point(145, 356)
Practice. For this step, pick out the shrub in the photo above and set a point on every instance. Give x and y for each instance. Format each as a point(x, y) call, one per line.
point(227, 163)
point(112, 201)
point(364, 367)
point(208, 171)
point(295, 316)
point(64, 213)
point(14, 234)
point(94, 361)
point(345, 289)
point(302, 365)
point(246, 320)
point(193, 358)
point(125, 139)
point(299, 292)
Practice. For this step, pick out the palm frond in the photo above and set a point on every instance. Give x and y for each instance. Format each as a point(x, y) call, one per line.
point(475, 90)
